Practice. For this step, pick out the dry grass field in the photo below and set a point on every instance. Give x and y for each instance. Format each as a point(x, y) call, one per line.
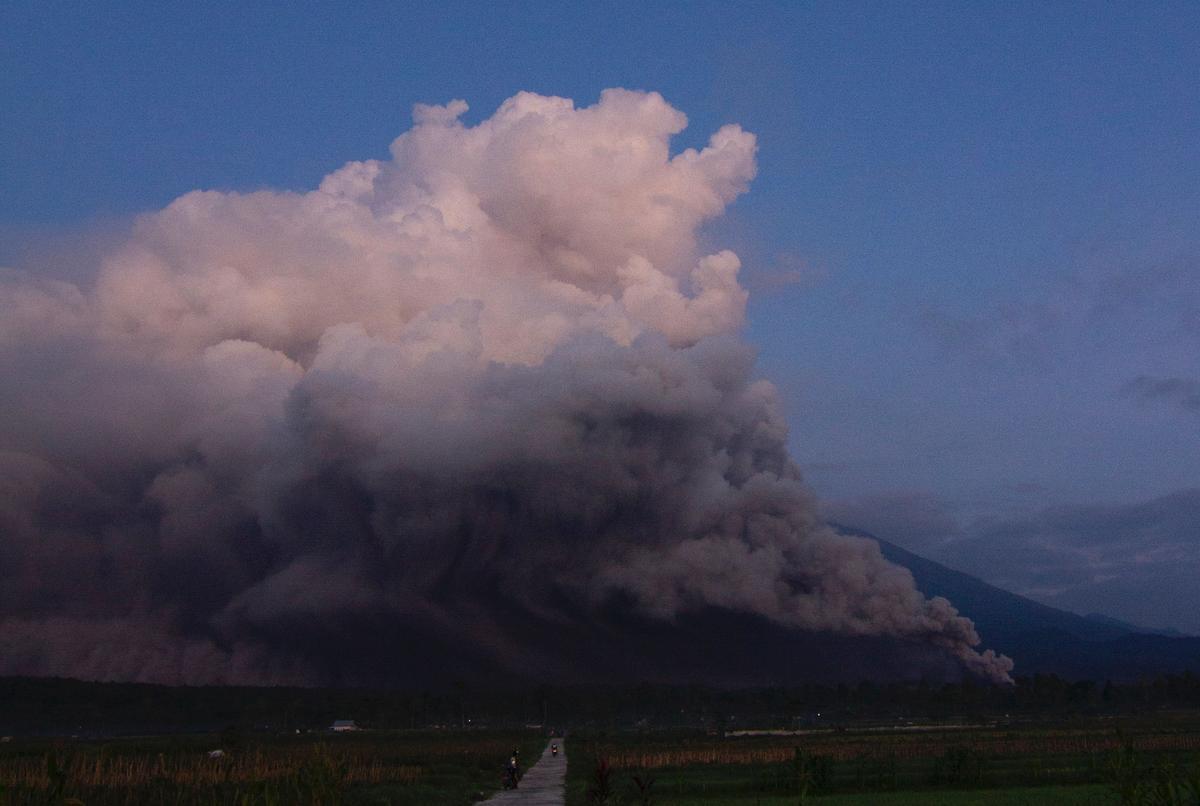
point(435, 768)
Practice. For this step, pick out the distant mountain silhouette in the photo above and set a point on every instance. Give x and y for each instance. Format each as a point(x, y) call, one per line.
point(1043, 639)
point(1125, 625)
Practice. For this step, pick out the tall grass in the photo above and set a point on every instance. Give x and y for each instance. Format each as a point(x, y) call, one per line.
point(624, 756)
point(376, 769)
point(100, 769)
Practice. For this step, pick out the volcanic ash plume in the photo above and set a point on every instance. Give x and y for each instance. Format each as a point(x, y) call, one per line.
point(492, 373)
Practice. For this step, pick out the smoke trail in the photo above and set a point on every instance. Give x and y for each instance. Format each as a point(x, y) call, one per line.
point(493, 372)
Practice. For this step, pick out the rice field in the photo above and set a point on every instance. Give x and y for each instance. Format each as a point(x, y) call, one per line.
point(1092, 761)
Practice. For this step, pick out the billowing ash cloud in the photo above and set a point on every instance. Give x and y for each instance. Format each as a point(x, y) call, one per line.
point(494, 369)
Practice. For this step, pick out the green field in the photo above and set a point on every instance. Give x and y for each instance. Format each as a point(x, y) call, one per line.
point(1149, 761)
point(1090, 795)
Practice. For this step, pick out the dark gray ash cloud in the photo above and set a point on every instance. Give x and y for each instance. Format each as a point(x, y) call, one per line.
point(282, 437)
point(1182, 392)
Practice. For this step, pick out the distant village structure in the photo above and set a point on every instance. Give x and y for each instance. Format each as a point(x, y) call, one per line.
point(344, 726)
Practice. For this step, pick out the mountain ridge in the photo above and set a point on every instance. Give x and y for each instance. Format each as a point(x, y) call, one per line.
point(1042, 639)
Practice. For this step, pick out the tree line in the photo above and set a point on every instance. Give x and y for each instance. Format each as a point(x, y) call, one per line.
point(63, 706)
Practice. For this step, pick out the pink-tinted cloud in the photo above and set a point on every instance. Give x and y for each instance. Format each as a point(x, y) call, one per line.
point(495, 368)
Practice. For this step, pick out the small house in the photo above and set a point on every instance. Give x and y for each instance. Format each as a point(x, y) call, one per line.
point(343, 725)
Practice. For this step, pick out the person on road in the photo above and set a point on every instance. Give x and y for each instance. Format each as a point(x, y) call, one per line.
point(513, 770)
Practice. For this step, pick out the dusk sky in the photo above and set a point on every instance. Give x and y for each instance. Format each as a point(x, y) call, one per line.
point(972, 245)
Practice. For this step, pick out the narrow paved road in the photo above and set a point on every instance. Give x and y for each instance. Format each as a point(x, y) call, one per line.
point(543, 784)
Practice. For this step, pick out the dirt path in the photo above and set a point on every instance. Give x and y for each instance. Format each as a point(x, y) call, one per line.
point(543, 784)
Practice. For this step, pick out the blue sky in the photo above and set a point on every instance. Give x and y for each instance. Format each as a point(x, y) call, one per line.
point(972, 243)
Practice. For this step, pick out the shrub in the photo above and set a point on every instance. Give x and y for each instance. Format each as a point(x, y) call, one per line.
point(600, 789)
